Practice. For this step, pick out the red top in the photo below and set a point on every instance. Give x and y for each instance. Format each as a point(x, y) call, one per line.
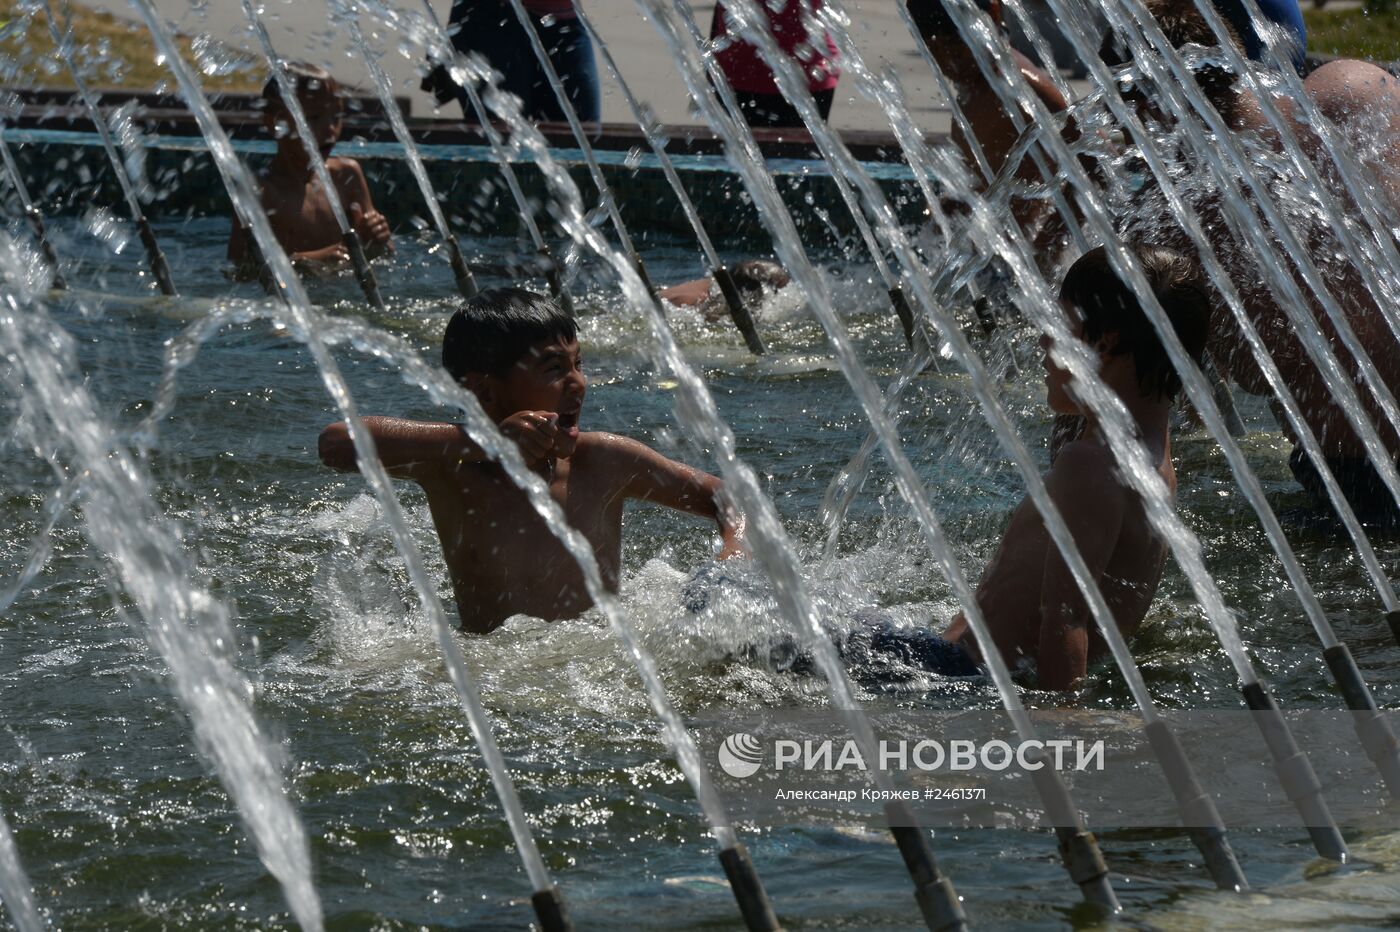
point(744, 66)
point(559, 9)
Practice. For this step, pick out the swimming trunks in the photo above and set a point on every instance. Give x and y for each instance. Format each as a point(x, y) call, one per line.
point(876, 650)
point(873, 647)
point(1361, 485)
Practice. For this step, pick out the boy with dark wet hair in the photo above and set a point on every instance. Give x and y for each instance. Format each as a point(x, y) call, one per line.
point(518, 353)
point(297, 207)
point(1029, 598)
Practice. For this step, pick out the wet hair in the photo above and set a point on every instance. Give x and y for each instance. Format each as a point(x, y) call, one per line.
point(309, 80)
point(754, 275)
point(1182, 24)
point(1109, 305)
point(933, 20)
point(493, 331)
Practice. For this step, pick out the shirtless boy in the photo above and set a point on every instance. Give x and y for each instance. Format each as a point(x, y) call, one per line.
point(519, 354)
point(297, 207)
point(1027, 594)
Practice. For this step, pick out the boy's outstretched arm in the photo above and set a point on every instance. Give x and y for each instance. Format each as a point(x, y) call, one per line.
point(649, 476)
point(1092, 500)
point(423, 451)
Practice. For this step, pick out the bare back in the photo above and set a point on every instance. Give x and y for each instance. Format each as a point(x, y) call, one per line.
point(1364, 103)
point(1027, 585)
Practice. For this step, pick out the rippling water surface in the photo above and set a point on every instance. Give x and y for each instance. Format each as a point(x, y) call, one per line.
point(120, 824)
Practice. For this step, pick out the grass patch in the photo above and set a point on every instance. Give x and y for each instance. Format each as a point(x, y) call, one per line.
point(111, 52)
point(1355, 33)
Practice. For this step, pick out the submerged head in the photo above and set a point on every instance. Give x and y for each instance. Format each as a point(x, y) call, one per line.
point(754, 278)
point(517, 351)
point(1105, 313)
point(320, 99)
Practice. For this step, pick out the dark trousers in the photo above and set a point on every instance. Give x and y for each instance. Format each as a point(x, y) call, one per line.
point(1360, 484)
point(490, 28)
point(766, 110)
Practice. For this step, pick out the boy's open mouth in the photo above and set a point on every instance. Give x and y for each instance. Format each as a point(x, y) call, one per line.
point(568, 421)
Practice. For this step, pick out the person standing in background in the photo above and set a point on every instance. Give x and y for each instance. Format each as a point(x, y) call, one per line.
point(760, 100)
point(490, 28)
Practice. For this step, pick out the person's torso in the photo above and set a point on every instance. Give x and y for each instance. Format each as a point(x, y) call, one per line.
point(503, 558)
point(299, 212)
point(1129, 581)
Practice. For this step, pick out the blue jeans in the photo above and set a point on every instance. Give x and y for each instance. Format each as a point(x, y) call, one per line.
point(490, 28)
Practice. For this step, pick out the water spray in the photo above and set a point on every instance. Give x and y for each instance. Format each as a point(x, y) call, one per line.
point(466, 284)
point(744, 881)
point(63, 42)
point(1078, 847)
point(15, 889)
point(1293, 768)
point(595, 170)
point(546, 900)
point(1360, 183)
point(738, 311)
point(1365, 189)
point(899, 300)
point(696, 408)
point(1197, 810)
point(1018, 120)
point(350, 239)
point(187, 631)
point(447, 55)
point(32, 215)
point(1372, 728)
point(841, 492)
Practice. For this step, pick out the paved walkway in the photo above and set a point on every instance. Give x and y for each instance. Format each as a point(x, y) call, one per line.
point(301, 30)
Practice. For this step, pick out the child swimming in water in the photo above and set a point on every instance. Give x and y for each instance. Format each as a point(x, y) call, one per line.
point(1027, 594)
point(753, 277)
point(518, 353)
point(296, 206)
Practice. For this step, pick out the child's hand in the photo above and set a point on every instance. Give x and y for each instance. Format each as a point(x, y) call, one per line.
point(538, 436)
point(334, 254)
point(371, 225)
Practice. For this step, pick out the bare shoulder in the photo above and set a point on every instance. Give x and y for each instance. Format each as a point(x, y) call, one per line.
point(637, 470)
point(604, 449)
point(344, 164)
point(1084, 467)
point(346, 171)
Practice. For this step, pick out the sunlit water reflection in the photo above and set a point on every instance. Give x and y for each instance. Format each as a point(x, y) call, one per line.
point(119, 823)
